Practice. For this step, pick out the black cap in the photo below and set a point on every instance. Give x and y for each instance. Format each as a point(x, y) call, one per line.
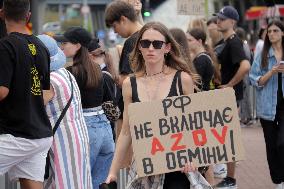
point(75, 35)
point(228, 12)
point(94, 44)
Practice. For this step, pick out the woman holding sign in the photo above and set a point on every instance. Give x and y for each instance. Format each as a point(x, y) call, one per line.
point(267, 75)
point(159, 72)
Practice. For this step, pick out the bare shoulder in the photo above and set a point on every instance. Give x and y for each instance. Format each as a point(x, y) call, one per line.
point(126, 87)
point(187, 83)
point(186, 78)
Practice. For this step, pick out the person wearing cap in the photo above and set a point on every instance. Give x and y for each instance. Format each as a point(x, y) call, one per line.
point(75, 43)
point(69, 154)
point(25, 130)
point(234, 66)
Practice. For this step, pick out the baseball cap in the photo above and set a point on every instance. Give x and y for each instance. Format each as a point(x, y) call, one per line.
point(228, 12)
point(75, 35)
point(57, 57)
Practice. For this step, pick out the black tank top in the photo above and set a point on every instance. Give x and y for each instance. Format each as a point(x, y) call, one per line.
point(173, 180)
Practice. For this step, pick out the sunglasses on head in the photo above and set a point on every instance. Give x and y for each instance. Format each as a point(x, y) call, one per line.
point(157, 44)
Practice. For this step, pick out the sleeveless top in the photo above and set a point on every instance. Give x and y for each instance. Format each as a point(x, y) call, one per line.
point(172, 179)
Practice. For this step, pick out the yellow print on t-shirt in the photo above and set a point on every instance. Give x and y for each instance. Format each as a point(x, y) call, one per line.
point(32, 49)
point(36, 89)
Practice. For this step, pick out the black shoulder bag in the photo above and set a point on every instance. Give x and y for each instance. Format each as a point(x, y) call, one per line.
point(47, 165)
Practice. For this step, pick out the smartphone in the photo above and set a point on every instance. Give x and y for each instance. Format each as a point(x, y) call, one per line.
point(111, 185)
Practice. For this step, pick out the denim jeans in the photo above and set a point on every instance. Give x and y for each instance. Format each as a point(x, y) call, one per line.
point(101, 146)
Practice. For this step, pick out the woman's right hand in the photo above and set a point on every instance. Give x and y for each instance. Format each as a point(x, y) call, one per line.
point(110, 178)
point(278, 68)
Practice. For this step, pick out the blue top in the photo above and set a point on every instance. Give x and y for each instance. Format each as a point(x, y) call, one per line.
point(266, 96)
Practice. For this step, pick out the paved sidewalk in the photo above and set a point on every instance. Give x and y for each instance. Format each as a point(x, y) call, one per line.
point(253, 173)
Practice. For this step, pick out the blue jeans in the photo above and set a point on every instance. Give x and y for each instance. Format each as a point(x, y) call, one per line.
point(101, 146)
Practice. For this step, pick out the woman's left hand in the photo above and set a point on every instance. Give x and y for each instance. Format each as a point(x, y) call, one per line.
point(189, 167)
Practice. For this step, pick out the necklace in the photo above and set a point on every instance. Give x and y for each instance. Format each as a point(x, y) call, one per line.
point(147, 75)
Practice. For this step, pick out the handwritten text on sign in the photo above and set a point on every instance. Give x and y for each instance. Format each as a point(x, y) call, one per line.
point(191, 7)
point(202, 128)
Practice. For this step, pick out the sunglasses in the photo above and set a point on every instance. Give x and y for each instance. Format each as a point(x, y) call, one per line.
point(157, 44)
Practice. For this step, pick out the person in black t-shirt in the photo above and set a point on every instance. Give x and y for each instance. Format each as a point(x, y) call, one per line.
point(25, 130)
point(110, 76)
point(201, 58)
point(121, 16)
point(234, 66)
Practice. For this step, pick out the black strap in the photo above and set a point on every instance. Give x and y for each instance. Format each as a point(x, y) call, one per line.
point(112, 95)
point(134, 89)
point(179, 82)
point(65, 108)
point(47, 165)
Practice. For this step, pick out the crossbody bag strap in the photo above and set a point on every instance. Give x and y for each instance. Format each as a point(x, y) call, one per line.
point(108, 88)
point(65, 108)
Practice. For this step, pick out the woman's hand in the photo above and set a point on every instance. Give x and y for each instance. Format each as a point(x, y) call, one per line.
point(189, 167)
point(111, 178)
point(278, 68)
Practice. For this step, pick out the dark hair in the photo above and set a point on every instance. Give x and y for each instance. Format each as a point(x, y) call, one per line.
point(261, 31)
point(174, 59)
point(181, 39)
point(241, 33)
point(198, 34)
point(84, 67)
point(212, 20)
point(16, 10)
point(267, 43)
point(119, 8)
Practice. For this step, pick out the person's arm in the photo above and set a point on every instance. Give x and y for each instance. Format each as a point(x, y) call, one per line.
point(242, 71)
point(48, 95)
point(124, 139)
point(275, 70)
point(4, 91)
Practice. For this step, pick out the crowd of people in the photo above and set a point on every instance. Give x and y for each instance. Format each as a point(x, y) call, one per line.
point(66, 126)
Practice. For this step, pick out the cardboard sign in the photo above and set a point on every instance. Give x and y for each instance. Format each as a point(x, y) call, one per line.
point(191, 7)
point(203, 128)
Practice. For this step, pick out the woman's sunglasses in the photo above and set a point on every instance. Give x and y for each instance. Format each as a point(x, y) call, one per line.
point(157, 44)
